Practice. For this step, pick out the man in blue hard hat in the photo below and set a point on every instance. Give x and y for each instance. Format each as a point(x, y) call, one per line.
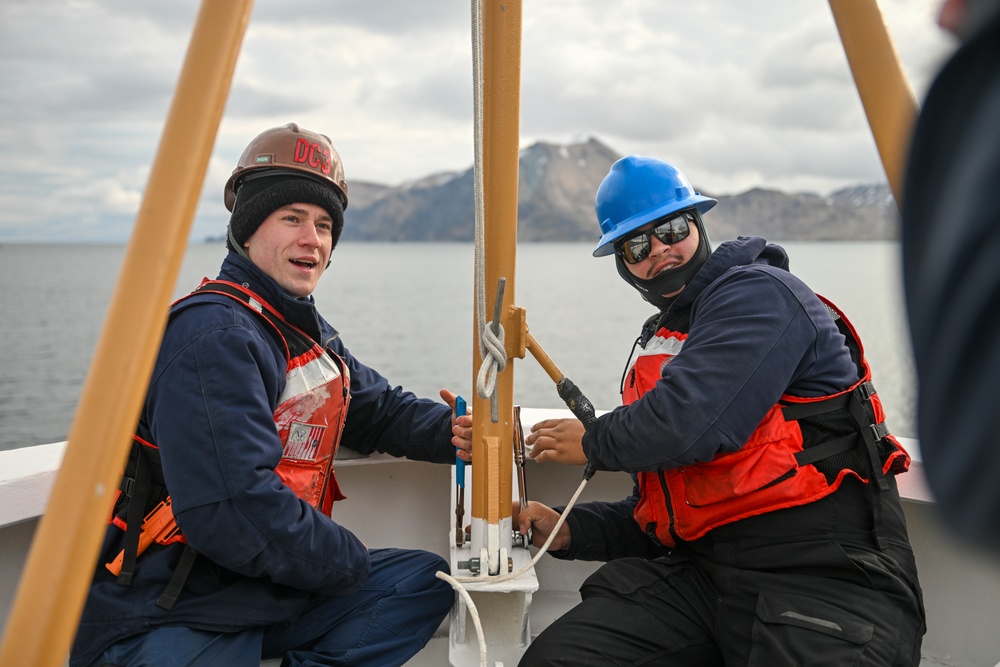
point(765, 526)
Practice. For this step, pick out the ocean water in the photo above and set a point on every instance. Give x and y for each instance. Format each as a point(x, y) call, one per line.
point(406, 310)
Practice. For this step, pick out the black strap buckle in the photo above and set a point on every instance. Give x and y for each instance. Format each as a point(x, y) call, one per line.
point(880, 430)
point(865, 391)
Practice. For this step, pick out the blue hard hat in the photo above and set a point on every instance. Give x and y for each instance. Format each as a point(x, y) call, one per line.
point(637, 191)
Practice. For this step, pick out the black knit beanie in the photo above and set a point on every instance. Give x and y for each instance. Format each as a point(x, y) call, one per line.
point(263, 193)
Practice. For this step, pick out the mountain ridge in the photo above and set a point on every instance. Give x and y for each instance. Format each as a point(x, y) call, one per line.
point(556, 188)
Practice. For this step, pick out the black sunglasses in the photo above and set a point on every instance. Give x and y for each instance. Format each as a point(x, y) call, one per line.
point(673, 230)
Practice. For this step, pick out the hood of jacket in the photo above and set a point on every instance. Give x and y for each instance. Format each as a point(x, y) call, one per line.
point(740, 252)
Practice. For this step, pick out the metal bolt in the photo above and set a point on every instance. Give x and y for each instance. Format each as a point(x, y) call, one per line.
point(472, 565)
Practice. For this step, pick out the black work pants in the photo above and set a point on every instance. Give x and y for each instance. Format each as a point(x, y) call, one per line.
point(743, 598)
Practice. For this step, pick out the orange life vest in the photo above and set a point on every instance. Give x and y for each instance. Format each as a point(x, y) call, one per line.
point(312, 408)
point(800, 452)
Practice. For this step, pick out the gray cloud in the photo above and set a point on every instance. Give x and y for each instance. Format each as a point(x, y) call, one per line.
point(738, 94)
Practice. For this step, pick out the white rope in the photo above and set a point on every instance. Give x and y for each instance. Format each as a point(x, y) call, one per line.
point(491, 343)
point(472, 609)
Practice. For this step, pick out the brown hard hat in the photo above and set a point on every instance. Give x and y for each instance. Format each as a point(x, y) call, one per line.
point(290, 147)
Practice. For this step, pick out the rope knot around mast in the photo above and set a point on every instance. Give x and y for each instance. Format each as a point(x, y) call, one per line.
point(494, 353)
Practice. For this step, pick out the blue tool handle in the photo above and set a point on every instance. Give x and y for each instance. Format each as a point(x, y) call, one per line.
point(460, 410)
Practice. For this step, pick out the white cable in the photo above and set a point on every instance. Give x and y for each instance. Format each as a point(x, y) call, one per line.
point(477, 103)
point(472, 609)
point(477, 171)
point(491, 345)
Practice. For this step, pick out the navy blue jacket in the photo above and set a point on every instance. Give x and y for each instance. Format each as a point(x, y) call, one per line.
point(755, 332)
point(209, 409)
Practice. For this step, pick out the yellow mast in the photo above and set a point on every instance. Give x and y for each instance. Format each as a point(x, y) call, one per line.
point(885, 94)
point(492, 453)
point(64, 552)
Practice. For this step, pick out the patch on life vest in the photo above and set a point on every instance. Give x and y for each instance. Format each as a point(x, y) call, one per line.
point(303, 441)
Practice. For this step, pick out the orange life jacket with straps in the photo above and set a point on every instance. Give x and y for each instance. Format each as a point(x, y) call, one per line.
point(800, 452)
point(309, 419)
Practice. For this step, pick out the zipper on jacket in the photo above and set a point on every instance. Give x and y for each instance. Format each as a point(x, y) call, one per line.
point(668, 502)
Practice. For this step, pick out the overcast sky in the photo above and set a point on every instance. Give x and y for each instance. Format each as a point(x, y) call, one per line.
point(737, 93)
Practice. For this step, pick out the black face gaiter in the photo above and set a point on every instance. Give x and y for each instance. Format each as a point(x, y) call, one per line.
point(671, 280)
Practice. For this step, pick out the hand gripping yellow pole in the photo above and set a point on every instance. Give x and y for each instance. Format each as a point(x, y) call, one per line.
point(63, 555)
point(885, 94)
